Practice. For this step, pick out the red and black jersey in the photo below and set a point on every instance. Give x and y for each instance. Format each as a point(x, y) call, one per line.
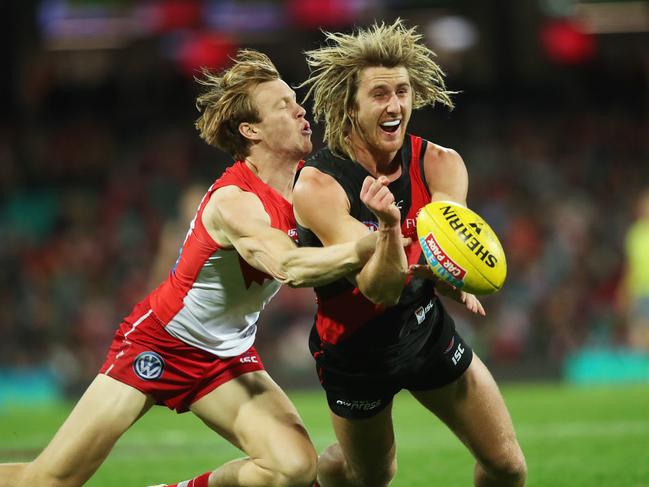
point(347, 319)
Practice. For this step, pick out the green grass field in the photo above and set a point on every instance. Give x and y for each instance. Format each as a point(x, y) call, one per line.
point(571, 437)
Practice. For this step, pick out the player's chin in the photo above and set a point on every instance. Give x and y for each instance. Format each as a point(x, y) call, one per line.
point(304, 148)
point(391, 145)
point(307, 146)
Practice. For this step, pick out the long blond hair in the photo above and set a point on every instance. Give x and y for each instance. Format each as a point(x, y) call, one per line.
point(227, 101)
point(336, 67)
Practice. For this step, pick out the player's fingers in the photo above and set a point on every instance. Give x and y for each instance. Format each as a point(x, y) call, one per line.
point(373, 188)
point(385, 196)
point(475, 306)
point(405, 241)
point(481, 310)
point(367, 184)
point(383, 181)
point(380, 186)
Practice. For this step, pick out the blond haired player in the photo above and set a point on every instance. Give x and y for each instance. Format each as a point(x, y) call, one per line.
point(189, 344)
point(386, 330)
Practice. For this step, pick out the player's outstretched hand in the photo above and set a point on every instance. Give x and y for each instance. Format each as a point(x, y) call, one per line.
point(380, 200)
point(470, 301)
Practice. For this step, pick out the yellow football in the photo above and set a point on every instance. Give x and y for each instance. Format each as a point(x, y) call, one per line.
point(461, 248)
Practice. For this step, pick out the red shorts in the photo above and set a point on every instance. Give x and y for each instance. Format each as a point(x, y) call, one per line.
point(146, 357)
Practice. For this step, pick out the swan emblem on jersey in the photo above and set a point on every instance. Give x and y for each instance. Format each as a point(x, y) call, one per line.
point(148, 366)
point(250, 274)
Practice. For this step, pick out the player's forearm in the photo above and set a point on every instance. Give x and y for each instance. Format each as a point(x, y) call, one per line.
point(381, 280)
point(311, 266)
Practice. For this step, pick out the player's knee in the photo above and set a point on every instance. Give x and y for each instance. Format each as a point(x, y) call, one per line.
point(297, 469)
point(376, 476)
point(333, 466)
point(331, 459)
point(509, 464)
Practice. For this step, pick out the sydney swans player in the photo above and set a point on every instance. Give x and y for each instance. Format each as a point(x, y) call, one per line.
point(385, 330)
point(189, 344)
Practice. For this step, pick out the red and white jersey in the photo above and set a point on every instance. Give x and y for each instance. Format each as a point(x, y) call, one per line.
point(212, 297)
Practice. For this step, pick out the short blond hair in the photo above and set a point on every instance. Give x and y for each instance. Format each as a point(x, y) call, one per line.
point(336, 67)
point(227, 101)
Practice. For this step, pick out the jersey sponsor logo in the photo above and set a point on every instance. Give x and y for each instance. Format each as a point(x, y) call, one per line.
point(148, 366)
point(411, 223)
point(359, 405)
point(409, 228)
point(293, 234)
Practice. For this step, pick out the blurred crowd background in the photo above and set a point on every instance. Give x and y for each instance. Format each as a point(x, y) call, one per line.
point(99, 163)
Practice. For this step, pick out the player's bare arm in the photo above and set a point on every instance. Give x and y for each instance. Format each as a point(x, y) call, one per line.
point(381, 279)
point(237, 219)
point(447, 179)
point(446, 174)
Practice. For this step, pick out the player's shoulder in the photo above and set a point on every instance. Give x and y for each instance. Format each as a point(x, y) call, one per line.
point(228, 194)
point(231, 203)
point(438, 152)
point(317, 187)
point(314, 182)
point(442, 158)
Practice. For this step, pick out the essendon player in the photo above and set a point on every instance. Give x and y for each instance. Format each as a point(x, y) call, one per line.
point(385, 330)
point(189, 344)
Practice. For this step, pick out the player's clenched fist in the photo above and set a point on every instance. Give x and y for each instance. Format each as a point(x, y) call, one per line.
point(380, 200)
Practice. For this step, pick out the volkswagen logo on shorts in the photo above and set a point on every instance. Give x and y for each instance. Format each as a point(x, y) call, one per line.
point(148, 366)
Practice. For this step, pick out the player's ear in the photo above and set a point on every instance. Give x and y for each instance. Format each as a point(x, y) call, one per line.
point(249, 131)
point(351, 112)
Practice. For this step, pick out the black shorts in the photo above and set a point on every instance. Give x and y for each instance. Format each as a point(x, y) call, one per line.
point(357, 393)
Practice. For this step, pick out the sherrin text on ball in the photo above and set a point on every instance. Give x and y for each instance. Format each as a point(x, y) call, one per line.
point(461, 248)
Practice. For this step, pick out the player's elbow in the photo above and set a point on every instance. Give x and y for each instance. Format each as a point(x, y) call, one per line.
point(295, 281)
point(290, 272)
point(384, 289)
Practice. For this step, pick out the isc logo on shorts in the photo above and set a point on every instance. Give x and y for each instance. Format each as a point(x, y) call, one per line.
point(459, 351)
point(148, 366)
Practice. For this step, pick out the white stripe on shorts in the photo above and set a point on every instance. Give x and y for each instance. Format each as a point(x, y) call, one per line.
point(142, 318)
point(121, 352)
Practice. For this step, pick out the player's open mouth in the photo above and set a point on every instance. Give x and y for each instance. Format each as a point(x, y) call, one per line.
point(390, 126)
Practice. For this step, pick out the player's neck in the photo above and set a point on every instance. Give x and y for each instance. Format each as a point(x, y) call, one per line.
point(377, 163)
point(276, 171)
